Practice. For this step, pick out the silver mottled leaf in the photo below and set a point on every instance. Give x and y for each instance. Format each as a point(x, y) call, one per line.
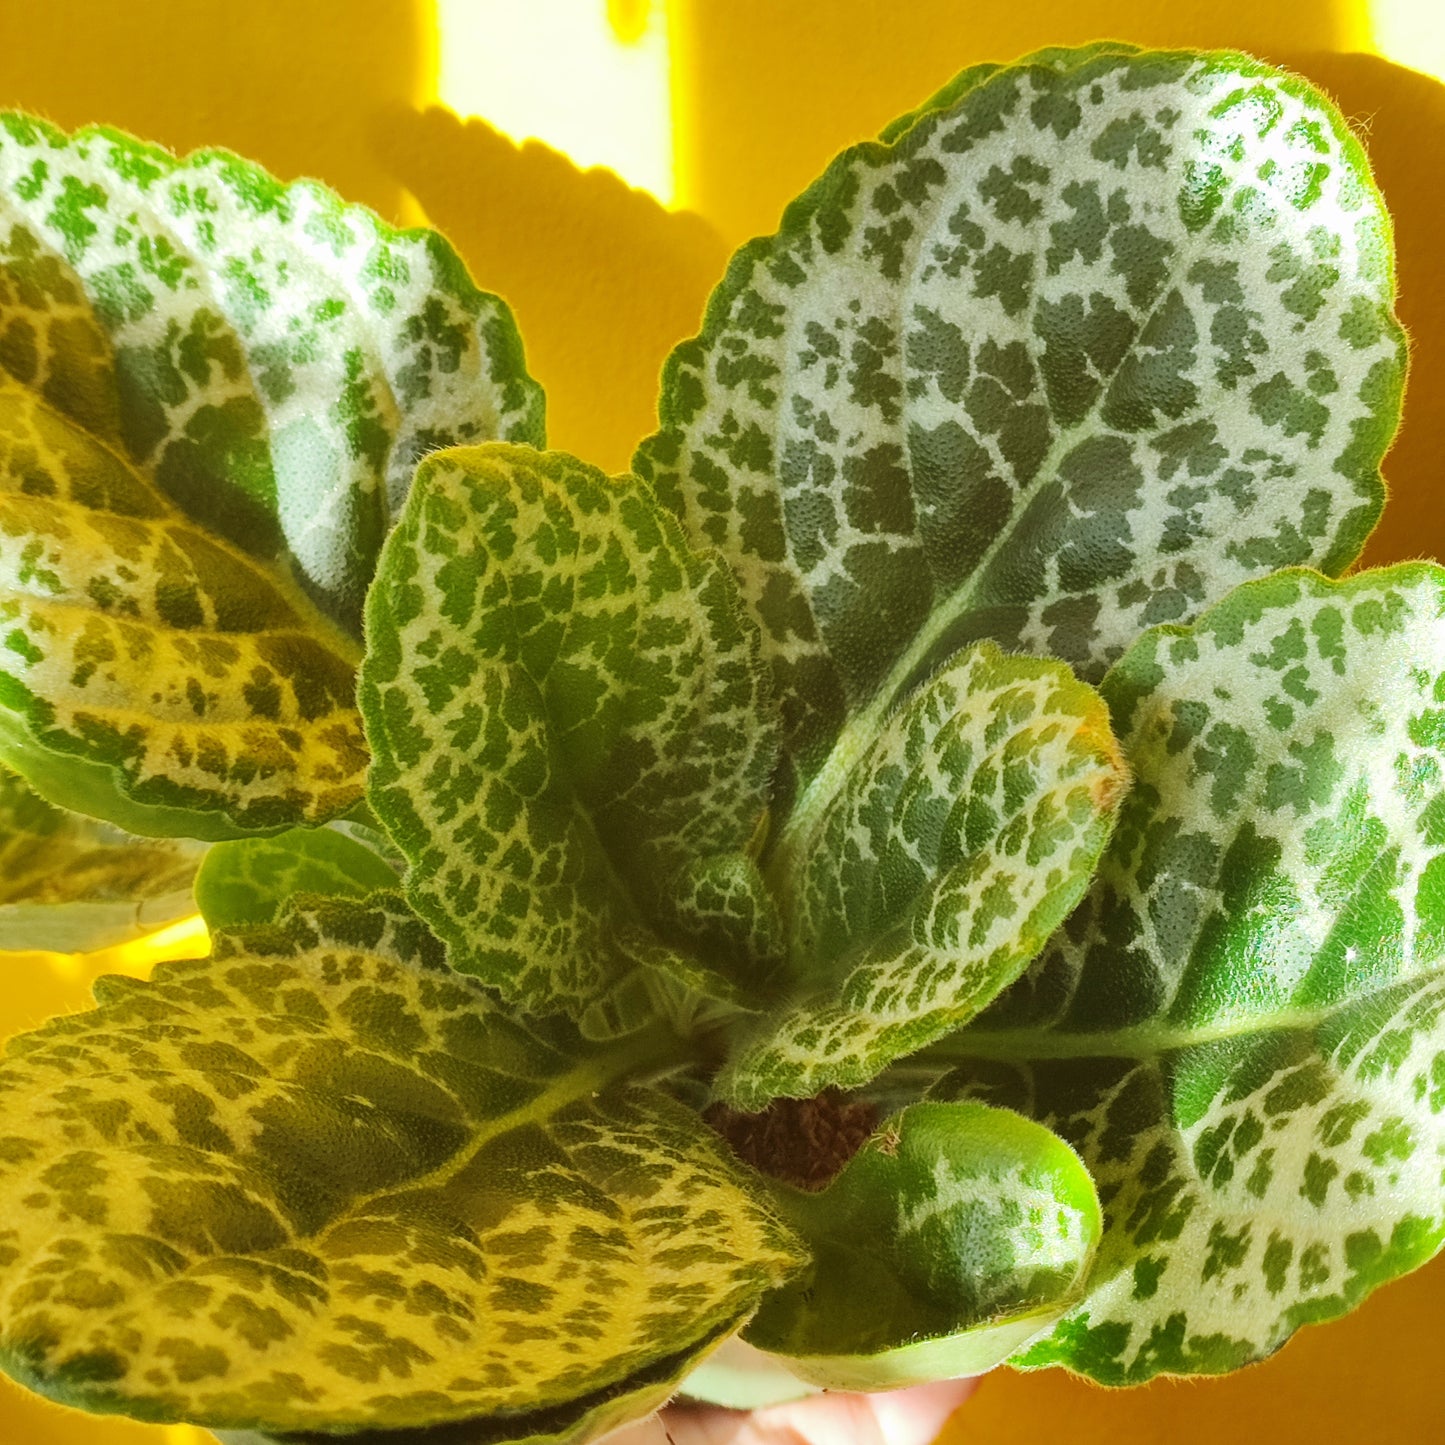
point(213, 390)
point(1079, 346)
point(1242, 1030)
point(567, 716)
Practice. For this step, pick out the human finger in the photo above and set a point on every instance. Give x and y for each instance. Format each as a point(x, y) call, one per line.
point(913, 1416)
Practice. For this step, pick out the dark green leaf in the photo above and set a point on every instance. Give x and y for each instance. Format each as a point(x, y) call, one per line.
point(251, 880)
point(954, 1235)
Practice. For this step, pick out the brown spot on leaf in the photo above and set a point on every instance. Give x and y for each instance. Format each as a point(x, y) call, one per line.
point(1109, 787)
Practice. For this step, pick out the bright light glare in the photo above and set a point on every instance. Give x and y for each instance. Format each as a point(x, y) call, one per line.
point(1411, 33)
point(556, 71)
point(187, 938)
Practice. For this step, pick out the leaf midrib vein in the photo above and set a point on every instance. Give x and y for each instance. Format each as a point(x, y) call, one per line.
point(863, 726)
point(1143, 1041)
point(276, 573)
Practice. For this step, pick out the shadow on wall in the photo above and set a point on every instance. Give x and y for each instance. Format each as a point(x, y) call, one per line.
point(603, 279)
point(766, 93)
point(293, 84)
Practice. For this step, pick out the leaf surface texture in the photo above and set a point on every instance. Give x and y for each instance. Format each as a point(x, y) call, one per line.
point(568, 717)
point(1084, 343)
point(953, 847)
point(213, 390)
point(1242, 1030)
point(319, 1181)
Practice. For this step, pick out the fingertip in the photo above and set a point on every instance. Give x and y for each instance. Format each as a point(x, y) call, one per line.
point(916, 1415)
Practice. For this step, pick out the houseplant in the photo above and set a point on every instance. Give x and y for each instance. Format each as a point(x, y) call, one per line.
point(730, 782)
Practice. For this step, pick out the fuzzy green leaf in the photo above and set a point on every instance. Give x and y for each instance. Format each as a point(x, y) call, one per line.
point(1242, 1031)
point(568, 717)
point(1279, 847)
point(955, 1234)
point(321, 1182)
point(69, 884)
point(252, 879)
point(1083, 344)
point(213, 390)
point(931, 871)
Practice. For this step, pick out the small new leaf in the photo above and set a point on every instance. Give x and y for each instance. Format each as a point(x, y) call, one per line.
point(321, 1182)
point(70, 885)
point(1084, 343)
point(567, 714)
point(922, 880)
point(1242, 1031)
point(213, 390)
point(251, 880)
point(954, 1235)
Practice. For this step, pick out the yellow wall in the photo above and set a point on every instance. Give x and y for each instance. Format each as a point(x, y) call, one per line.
point(604, 279)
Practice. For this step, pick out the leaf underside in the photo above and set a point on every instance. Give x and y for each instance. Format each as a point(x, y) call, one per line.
point(1242, 1030)
point(320, 1182)
point(71, 885)
point(577, 1423)
point(213, 389)
point(1084, 344)
point(251, 880)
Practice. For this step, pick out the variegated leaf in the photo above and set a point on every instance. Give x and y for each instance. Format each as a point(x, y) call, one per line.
point(251, 880)
point(932, 869)
point(1081, 345)
point(954, 1235)
point(213, 390)
point(70, 885)
point(321, 1182)
point(1059, 57)
point(1242, 1031)
point(1282, 845)
point(567, 715)
point(578, 1424)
